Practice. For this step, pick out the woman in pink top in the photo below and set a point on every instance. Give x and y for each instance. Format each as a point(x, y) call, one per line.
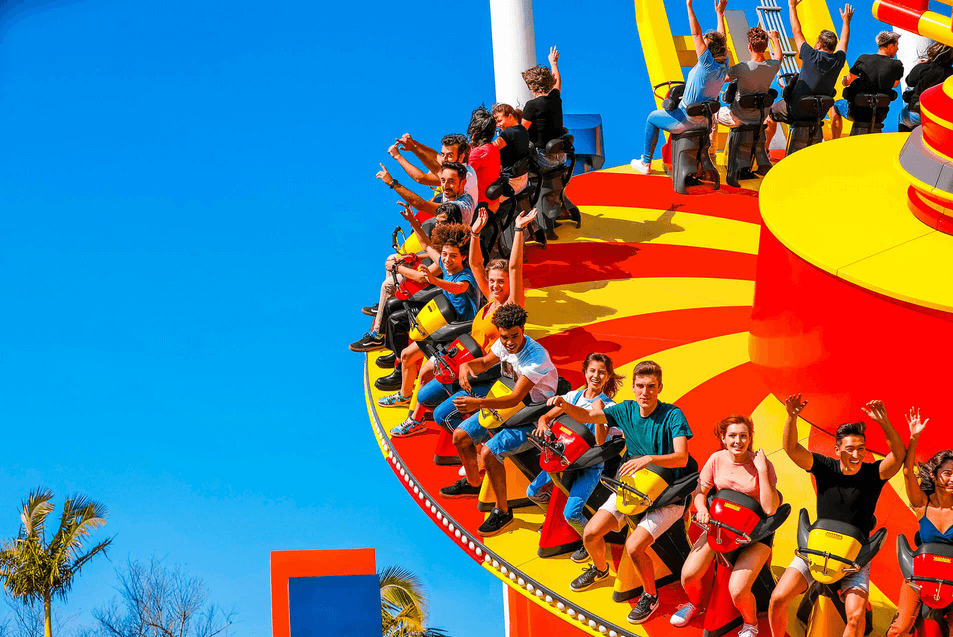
point(740, 469)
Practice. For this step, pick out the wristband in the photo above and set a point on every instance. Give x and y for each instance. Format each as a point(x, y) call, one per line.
point(520, 229)
point(394, 184)
point(474, 234)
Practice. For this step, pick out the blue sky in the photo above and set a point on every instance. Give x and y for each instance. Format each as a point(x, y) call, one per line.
point(190, 223)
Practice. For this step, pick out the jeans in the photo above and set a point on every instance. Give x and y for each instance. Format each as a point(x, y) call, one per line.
point(908, 118)
point(583, 483)
point(436, 394)
point(672, 121)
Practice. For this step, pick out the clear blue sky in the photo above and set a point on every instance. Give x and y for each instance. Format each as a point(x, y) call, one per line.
point(190, 223)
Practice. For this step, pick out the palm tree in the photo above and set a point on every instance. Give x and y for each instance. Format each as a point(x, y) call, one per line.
point(404, 605)
point(33, 569)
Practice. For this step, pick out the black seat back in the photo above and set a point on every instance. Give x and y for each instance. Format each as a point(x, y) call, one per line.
point(705, 109)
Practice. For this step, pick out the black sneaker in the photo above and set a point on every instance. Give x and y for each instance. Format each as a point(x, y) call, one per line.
point(370, 310)
point(387, 361)
point(580, 555)
point(460, 489)
point(368, 343)
point(495, 523)
point(589, 577)
point(643, 609)
point(391, 382)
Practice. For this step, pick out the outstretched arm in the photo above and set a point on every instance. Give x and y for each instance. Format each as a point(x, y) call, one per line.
point(846, 14)
point(894, 461)
point(720, 12)
point(414, 200)
point(553, 60)
point(516, 258)
point(595, 415)
point(796, 24)
point(426, 179)
point(674, 460)
point(801, 456)
point(914, 492)
point(476, 251)
point(697, 38)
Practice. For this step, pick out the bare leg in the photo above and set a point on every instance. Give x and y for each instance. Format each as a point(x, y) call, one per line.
point(496, 472)
point(639, 540)
point(837, 123)
point(907, 612)
point(743, 575)
point(593, 537)
point(464, 445)
point(791, 584)
point(855, 606)
point(694, 570)
point(409, 359)
point(770, 128)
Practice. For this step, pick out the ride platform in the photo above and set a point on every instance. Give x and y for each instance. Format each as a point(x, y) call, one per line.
point(653, 274)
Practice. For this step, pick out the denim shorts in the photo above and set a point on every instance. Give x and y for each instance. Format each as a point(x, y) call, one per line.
point(860, 579)
point(510, 441)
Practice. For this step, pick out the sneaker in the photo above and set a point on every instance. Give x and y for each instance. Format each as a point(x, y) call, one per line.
point(368, 343)
point(640, 166)
point(460, 489)
point(684, 614)
point(495, 523)
point(409, 427)
point(370, 310)
point(387, 361)
point(748, 630)
point(580, 555)
point(541, 499)
point(394, 400)
point(643, 609)
point(589, 577)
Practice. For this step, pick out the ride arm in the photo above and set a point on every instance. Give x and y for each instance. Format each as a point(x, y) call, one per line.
point(516, 259)
point(892, 463)
point(801, 456)
point(426, 179)
point(796, 24)
point(595, 415)
point(846, 13)
point(553, 61)
point(697, 37)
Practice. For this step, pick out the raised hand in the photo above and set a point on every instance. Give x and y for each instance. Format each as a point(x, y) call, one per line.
point(384, 176)
point(720, 6)
point(525, 218)
point(774, 35)
point(480, 222)
point(847, 13)
point(394, 150)
point(916, 425)
point(406, 210)
point(794, 3)
point(876, 410)
point(794, 405)
point(553, 55)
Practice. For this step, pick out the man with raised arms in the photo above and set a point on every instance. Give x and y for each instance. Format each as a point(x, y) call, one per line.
point(655, 433)
point(847, 491)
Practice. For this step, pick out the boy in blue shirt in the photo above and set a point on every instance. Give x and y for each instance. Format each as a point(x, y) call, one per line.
point(655, 433)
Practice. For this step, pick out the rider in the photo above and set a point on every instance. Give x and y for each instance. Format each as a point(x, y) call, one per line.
point(847, 491)
point(501, 282)
point(876, 73)
point(932, 499)
point(602, 384)
point(933, 70)
point(739, 468)
point(655, 433)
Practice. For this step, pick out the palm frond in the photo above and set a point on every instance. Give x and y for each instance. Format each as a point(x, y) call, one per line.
point(35, 509)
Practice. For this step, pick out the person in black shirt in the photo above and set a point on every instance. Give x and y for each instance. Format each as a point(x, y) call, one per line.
point(877, 73)
point(847, 491)
point(929, 72)
point(513, 143)
point(820, 67)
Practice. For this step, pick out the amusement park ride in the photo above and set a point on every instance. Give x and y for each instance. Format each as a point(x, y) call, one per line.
point(831, 278)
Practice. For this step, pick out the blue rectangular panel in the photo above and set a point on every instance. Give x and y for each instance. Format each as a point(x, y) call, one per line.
point(336, 606)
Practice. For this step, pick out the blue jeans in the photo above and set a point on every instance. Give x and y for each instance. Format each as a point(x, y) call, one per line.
point(583, 483)
point(672, 121)
point(908, 118)
point(440, 396)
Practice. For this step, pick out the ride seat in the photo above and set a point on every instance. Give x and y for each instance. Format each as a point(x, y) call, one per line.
point(690, 149)
point(874, 102)
point(808, 129)
point(746, 142)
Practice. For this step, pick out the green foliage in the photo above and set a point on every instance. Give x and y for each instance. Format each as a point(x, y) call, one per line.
point(404, 605)
point(36, 569)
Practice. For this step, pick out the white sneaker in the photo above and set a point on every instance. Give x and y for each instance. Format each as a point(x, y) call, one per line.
point(683, 615)
point(748, 630)
point(640, 167)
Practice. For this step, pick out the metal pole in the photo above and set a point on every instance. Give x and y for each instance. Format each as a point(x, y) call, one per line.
point(514, 48)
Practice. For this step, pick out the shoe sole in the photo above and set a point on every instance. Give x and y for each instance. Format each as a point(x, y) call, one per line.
point(366, 313)
point(498, 531)
point(585, 588)
point(697, 614)
point(368, 348)
point(406, 404)
point(644, 619)
point(390, 366)
point(412, 432)
point(458, 496)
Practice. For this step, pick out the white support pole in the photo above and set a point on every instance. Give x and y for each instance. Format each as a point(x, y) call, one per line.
point(514, 48)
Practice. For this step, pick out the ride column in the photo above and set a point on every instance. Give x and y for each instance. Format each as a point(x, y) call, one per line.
point(927, 158)
point(514, 49)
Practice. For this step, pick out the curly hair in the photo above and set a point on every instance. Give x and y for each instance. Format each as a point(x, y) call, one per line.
point(509, 316)
point(939, 53)
point(458, 140)
point(850, 429)
point(828, 40)
point(647, 368)
point(451, 234)
point(757, 39)
point(717, 44)
point(452, 212)
point(482, 127)
point(613, 380)
point(928, 470)
point(539, 79)
point(721, 429)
